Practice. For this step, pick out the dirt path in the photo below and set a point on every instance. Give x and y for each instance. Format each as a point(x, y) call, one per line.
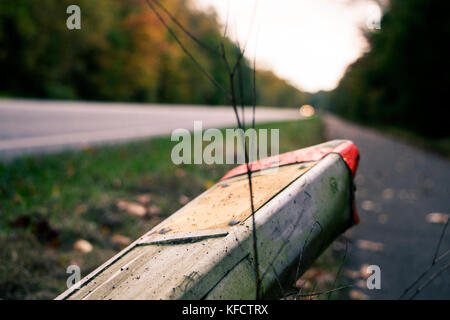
point(398, 186)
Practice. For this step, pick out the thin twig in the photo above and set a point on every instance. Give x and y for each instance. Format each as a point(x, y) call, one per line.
point(185, 30)
point(185, 50)
point(241, 95)
point(430, 279)
point(286, 241)
point(241, 55)
point(436, 259)
point(300, 260)
point(340, 267)
point(254, 93)
point(438, 248)
point(278, 281)
point(230, 95)
point(316, 294)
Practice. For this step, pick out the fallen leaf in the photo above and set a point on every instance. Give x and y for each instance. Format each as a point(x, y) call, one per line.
point(437, 217)
point(208, 184)
point(80, 209)
point(154, 210)
point(180, 173)
point(132, 208)
point(352, 274)
point(183, 199)
point(357, 295)
point(368, 205)
point(364, 271)
point(144, 198)
point(318, 276)
point(369, 245)
point(120, 240)
point(83, 246)
point(361, 284)
point(388, 193)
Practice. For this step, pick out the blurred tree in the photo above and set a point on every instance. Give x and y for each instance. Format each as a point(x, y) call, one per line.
point(403, 80)
point(121, 53)
point(40, 57)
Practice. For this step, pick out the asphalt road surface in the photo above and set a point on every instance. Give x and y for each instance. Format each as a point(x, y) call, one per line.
point(398, 186)
point(34, 127)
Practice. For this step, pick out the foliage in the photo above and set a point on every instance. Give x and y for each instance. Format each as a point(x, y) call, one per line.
point(121, 53)
point(403, 80)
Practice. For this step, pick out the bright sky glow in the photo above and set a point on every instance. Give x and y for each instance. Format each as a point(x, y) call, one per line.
point(308, 42)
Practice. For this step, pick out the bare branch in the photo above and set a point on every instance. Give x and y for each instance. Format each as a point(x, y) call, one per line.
point(254, 93)
point(185, 50)
point(285, 241)
point(438, 248)
point(316, 294)
point(230, 95)
point(242, 52)
point(185, 30)
point(340, 267)
point(436, 259)
point(300, 260)
point(430, 279)
point(278, 281)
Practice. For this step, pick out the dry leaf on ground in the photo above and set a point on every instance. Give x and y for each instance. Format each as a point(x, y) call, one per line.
point(83, 246)
point(154, 210)
point(132, 208)
point(369, 245)
point(437, 217)
point(120, 240)
point(357, 295)
point(183, 199)
point(144, 198)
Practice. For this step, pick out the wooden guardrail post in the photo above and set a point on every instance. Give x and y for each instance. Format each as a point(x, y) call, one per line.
point(205, 250)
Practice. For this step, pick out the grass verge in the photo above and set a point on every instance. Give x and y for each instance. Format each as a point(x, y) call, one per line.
point(49, 203)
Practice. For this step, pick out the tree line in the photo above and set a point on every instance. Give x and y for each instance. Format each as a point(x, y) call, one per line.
point(403, 81)
point(121, 53)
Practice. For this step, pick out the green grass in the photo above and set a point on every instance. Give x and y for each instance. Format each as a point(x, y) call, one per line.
point(49, 202)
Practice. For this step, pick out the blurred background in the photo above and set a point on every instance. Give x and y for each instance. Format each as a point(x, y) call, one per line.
point(376, 72)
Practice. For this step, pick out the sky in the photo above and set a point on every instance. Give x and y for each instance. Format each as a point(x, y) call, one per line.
point(308, 42)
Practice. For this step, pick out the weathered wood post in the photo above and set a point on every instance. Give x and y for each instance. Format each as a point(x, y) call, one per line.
point(205, 250)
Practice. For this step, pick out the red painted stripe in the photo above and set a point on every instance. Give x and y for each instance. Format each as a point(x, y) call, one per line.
point(346, 149)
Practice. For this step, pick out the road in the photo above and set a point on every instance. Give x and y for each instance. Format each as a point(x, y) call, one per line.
point(397, 187)
point(35, 127)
